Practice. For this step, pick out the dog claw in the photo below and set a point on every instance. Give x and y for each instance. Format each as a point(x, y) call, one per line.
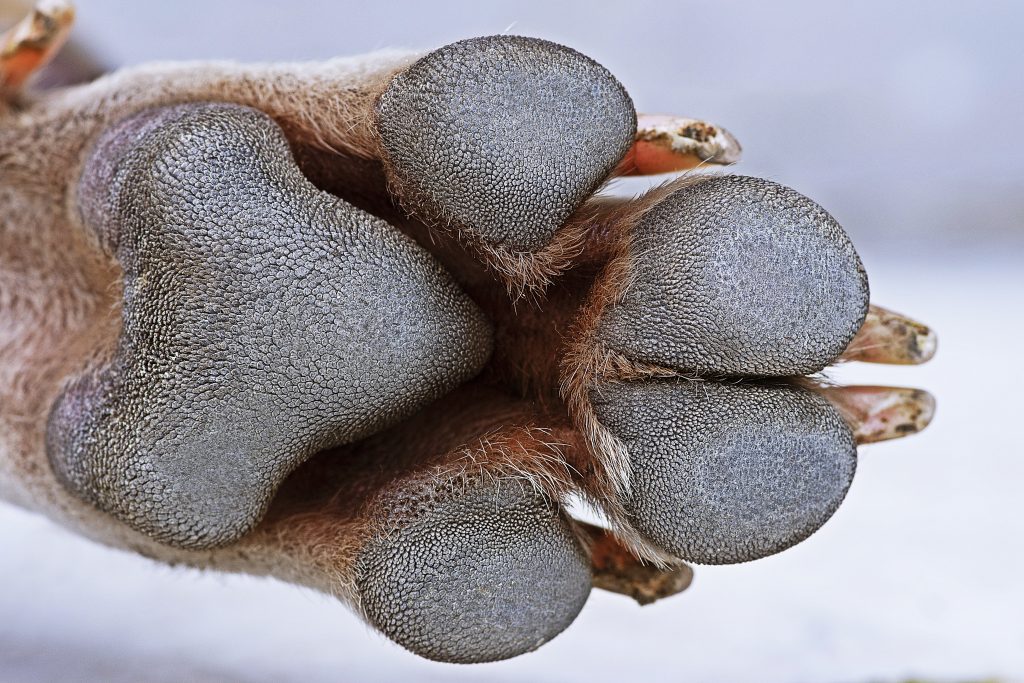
point(617, 570)
point(666, 144)
point(892, 338)
point(31, 43)
point(882, 413)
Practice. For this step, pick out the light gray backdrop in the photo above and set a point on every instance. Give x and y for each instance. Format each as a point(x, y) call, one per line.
point(904, 120)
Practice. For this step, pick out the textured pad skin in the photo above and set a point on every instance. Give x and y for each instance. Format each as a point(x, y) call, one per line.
point(738, 276)
point(725, 473)
point(482, 575)
point(504, 136)
point(263, 319)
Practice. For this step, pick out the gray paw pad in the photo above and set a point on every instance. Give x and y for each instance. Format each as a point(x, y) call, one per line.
point(728, 473)
point(483, 575)
point(262, 320)
point(504, 136)
point(738, 276)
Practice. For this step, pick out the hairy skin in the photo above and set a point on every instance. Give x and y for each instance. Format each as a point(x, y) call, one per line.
point(270, 319)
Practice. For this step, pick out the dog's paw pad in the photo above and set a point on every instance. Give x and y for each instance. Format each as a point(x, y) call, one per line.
point(735, 275)
point(503, 137)
point(724, 473)
point(484, 574)
point(262, 320)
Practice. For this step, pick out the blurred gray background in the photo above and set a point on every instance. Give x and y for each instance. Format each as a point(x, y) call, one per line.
point(904, 119)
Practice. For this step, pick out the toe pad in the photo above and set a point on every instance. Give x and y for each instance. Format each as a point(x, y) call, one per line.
point(728, 473)
point(486, 575)
point(504, 136)
point(738, 276)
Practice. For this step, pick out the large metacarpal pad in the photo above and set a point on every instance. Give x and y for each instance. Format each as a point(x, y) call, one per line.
point(262, 320)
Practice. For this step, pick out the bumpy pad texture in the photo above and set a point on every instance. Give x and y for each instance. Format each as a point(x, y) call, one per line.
point(262, 320)
point(486, 574)
point(725, 473)
point(738, 276)
point(504, 136)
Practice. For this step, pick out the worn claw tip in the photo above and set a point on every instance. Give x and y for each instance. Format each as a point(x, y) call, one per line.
point(882, 413)
point(31, 43)
point(667, 144)
point(888, 337)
